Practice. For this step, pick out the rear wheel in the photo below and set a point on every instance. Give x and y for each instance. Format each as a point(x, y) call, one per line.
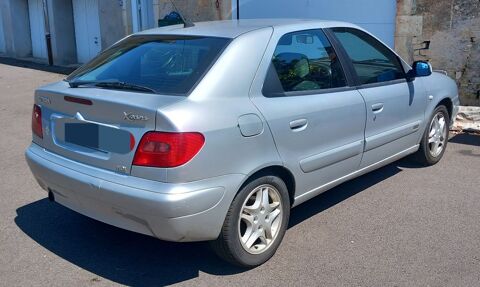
point(435, 139)
point(255, 223)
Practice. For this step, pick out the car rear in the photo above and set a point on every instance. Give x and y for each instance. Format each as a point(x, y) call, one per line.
point(90, 130)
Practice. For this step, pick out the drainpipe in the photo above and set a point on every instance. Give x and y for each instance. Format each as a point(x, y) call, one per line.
point(48, 37)
point(238, 9)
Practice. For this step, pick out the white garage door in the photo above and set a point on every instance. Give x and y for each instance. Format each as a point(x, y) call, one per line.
point(376, 16)
point(87, 29)
point(144, 14)
point(37, 28)
point(2, 36)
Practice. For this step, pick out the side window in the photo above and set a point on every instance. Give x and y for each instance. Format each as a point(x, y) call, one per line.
point(372, 61)
point(303, 61)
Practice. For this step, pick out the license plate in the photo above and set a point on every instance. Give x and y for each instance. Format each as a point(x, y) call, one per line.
point(98, 137)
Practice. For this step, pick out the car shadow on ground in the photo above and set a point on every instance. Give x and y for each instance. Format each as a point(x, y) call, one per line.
point(138, 260)
point(466, 139)
point(469, 141)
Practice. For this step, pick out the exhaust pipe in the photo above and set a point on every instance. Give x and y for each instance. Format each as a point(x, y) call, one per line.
point(51, 196)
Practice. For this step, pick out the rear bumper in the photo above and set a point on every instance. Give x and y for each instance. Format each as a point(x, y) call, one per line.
point(192, 211)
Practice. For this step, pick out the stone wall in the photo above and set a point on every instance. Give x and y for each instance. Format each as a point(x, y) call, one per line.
point(451, 28)
point(196, 10)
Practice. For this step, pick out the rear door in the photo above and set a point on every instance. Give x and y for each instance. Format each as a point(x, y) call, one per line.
point(395, 107)
point(316, 118)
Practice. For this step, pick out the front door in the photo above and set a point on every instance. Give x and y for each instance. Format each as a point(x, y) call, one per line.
point(316, 119)
point(87, 29)
point(395, 107)
point(37, 28)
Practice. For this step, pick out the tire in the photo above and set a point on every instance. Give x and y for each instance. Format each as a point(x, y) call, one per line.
point(426, 154)
point(232, 244)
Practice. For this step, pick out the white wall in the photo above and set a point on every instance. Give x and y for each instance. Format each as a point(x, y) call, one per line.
point(376, 16)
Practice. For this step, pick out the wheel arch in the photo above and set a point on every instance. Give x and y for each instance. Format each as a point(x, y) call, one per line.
point(277, 170)
point(448, 103)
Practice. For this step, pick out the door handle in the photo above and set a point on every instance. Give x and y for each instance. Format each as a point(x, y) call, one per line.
point(377, 108)
point(298, 125)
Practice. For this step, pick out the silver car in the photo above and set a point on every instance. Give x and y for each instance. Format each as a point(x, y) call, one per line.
point(214, 132)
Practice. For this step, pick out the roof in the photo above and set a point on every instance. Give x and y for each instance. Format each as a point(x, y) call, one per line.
point(235, 28)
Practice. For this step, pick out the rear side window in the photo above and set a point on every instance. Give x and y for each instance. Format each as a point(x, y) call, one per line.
point(303, 61)
point(170, 65)
point(373, 62)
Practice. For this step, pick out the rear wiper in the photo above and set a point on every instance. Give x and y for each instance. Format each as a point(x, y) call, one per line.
point(113, 85)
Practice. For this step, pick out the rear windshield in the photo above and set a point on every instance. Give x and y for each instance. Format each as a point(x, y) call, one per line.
point(167, 64)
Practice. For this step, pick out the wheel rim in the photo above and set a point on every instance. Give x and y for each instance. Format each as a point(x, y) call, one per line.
point(260, 219)
point(437, 135)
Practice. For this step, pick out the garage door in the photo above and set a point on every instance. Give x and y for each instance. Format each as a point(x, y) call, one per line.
point(2, 36)
point(37, 28)
point(376, 16)
point(87, 29)
point(146, 14)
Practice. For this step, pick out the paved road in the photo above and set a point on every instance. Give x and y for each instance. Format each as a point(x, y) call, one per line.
point(399, 226)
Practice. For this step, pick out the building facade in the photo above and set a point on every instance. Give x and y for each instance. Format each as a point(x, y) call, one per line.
point(65, 32)
point(71, 32)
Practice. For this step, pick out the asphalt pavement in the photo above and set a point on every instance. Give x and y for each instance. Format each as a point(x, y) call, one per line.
point(402, 225)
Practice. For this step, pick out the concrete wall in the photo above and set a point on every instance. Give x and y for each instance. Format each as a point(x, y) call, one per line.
point(195, 10)
point(16, 28)
point(453, 29)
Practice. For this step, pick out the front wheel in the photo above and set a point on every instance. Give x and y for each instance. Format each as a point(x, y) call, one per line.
point(255, 223)
point(435, 139)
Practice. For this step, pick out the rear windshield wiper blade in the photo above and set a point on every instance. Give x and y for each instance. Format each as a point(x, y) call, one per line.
point(113, 85)
point(125, 86)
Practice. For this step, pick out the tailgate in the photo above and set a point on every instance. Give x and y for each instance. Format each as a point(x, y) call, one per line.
point(94, 126)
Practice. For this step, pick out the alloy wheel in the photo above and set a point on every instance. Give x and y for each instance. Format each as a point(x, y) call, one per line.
point(260, 219)
point(437, 135)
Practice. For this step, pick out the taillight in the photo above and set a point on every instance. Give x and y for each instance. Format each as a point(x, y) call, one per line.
point(163, 149)
point(37, 121)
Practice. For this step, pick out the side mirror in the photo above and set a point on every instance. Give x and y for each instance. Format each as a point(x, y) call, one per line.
point(420, 69)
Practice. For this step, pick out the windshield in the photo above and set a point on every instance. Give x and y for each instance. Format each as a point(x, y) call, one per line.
point(166, 64)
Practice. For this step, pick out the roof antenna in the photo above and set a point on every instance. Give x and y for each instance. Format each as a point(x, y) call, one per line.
point(186, 23)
